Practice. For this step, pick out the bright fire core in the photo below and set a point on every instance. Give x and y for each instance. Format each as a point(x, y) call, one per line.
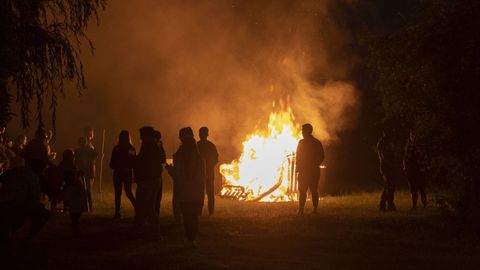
point(263, 171)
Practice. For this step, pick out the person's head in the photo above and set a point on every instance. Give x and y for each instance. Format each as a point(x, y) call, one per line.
point(88, 133)
point(21, 140)
point(68, 155)
point(41, 134)
point(82, 142)
point(411, 136)
point(189, 143)
point(307, 130)
point(158, 136)
point(203, 133)
point(147, 133)
point(124, 138)
point(9, 143)
point(185, 132)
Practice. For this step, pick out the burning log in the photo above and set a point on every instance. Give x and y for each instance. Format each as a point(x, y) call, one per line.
point(234, 192)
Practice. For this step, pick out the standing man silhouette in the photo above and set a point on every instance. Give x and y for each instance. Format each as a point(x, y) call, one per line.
point(209, 154)
point(148, 173)
point(310, 155)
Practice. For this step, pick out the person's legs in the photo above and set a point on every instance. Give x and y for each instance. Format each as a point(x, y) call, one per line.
point(117, 186)
point(158, 199)
point(190, 220)
point(140, 204)
point(88, 190)
point(12, 217)
point(314, 191)
point(75, 220)
point(302, 189)
point(423, 195)
point(383, 198)
point(313, 186)
point(151, 204)
point(177, 211)
point(414, 192)
point(127, 184)
point(391, 196)
point(39, 216)
point(209, 183)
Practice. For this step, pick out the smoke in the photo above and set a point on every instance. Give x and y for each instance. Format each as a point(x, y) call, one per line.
point(219, 64)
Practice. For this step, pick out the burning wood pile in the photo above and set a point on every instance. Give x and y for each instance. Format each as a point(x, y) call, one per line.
point(265, 171)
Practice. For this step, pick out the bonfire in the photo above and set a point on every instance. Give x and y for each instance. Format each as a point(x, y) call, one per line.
point(265, 171)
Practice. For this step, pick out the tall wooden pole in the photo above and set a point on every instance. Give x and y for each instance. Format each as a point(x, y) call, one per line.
point(101, 162)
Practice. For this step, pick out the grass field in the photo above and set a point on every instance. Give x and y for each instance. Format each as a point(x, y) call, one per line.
point(347, 233)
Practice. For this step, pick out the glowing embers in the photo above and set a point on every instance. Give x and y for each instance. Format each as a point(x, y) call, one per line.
point(265, 170)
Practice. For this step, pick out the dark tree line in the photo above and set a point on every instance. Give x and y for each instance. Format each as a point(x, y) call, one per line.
point(427, 75)
point(40, 51)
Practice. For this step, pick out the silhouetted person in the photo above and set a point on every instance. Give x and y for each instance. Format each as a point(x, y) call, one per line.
point(188, 171)
point(122, 163)
point(85, 158)
point(413, 172)
point(52, 155)
point(20, 200)
point(177, 212)
point(18, 146)
point(310, 156)
point(163, 160)
point(209, 153)
point(389, 155)
point(9, 152)
point(89, 136)
point(56, 178)
point(4, 162)
point(147, 175)
point(74, 199)
point(37, 148)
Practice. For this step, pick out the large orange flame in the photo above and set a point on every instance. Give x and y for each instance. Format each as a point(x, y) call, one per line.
point(264, 167)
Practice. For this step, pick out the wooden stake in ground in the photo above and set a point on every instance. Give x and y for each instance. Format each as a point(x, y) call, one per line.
point(101, 162)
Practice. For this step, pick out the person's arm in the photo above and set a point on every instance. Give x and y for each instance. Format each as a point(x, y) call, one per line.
point(215, 154)
point(163, 155)
point(132, 154)
point(299, 156)
point(321, 152)
point(3, 159)
point(113, 159)
point(94, 154)
point(380, 150)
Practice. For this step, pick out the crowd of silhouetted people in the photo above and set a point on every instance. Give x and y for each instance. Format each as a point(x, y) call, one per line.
point(28, 174)
point(399, 160)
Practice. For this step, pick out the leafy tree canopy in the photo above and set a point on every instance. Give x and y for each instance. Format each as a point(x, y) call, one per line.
point(40, 50)
point(428, 78)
